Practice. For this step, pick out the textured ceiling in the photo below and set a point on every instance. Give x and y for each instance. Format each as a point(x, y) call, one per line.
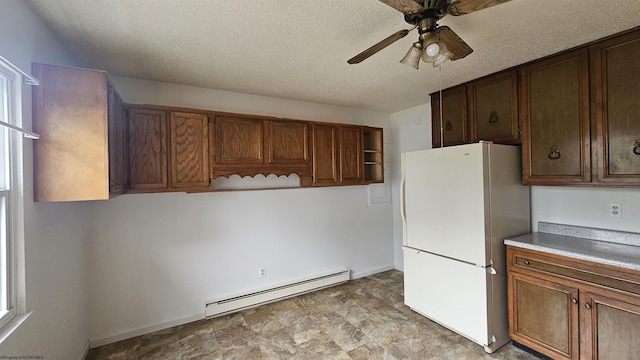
point(299, 49)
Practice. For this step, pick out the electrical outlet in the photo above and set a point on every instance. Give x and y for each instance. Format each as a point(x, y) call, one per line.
point(615, 210)
point(262, 272)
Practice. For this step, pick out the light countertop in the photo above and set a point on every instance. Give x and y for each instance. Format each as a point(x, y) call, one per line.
point(602, 246)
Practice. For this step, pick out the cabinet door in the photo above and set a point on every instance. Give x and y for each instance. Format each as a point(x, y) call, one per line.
point(616, 108)
point(288, 142)
point(454, 117)
point(543, 315)
point(148, 149)
point(611, 327)
point(351, 152)
point(554, 108)
point(189, 134)
point(493, 109)
point(238, 140)
point(325, 155)
point(117, 143)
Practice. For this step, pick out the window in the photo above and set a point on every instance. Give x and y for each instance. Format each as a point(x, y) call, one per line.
point(12, 290)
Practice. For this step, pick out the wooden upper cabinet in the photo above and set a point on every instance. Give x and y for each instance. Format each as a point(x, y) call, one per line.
point(118, 161)
point(337, 155)
point(76, 114)
point(148, 149)
point(238, 140)
point(554, 111)
point(493, 108)
point(189, 134)
point(453, 123)
point(248, 145)
point(351, 152)
point(326, 154)
point(616, 90)
point(288, 142)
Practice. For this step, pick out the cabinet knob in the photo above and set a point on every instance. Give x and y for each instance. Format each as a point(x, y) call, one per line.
point(574, 301)
point(587, 305)
point(555, 153)
point(526, 262)
point(493, 117)
point(636, 147)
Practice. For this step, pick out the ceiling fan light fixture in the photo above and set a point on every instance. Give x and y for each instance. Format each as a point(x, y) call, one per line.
point(413, 55)
point(434, 50)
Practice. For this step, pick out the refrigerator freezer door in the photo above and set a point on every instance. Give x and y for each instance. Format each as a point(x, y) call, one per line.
point(446, 202)
point(449, 292)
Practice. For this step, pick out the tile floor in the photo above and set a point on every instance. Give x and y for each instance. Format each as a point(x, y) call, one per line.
point(363, 319)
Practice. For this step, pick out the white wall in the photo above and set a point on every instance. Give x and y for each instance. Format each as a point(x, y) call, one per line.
point(588, 206)
point(156, 258)
point(55, 250)
point(410, 131)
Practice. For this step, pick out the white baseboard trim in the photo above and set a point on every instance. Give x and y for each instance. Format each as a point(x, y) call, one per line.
point(361, 274)
point(85, 351)
point(143, 331)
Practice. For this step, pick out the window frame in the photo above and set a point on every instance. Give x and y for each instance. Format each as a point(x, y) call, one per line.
point(12, 190)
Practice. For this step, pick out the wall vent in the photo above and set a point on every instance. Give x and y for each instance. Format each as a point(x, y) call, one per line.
point(248, 300)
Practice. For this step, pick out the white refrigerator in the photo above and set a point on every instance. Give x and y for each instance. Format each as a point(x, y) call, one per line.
point(459, 203)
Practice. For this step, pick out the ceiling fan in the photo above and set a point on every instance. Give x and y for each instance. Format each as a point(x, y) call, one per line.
point(436, 44)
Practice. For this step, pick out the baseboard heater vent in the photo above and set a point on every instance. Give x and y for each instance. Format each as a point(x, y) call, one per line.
point(245, 301)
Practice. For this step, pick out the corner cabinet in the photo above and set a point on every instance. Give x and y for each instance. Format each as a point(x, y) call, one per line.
point(567, 308)
point(80, 118)
point(373, 155)
point(616, 90)
point(168, 150)
point(554, 110)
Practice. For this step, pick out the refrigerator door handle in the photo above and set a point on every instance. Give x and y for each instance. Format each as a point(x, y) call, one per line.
point(403, 211)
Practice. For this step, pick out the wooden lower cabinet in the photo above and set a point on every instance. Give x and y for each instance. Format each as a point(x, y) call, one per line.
point(544, 316)
point(566, 308)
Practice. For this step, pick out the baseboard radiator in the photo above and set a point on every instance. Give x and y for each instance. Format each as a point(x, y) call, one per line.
point(248, 300)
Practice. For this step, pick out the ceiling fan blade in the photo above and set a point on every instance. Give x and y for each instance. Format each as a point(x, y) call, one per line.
point(405, 6)
point(453, 42)
point(379, 46)
point(462, 7)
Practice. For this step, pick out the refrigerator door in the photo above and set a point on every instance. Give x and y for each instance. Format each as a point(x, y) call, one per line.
point(450, 292)
point(445, 202)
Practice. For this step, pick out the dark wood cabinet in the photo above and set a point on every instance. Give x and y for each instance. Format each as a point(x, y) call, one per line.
point(611, 324)
point(80, 154)
point(567, 308)
point(554, 110)
point(337, 155)
point(453, 123)
point(168, 150)
point(544, 315)
point(493, 109)
point(287, 143)
point(148, 155)
point(616, 90)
